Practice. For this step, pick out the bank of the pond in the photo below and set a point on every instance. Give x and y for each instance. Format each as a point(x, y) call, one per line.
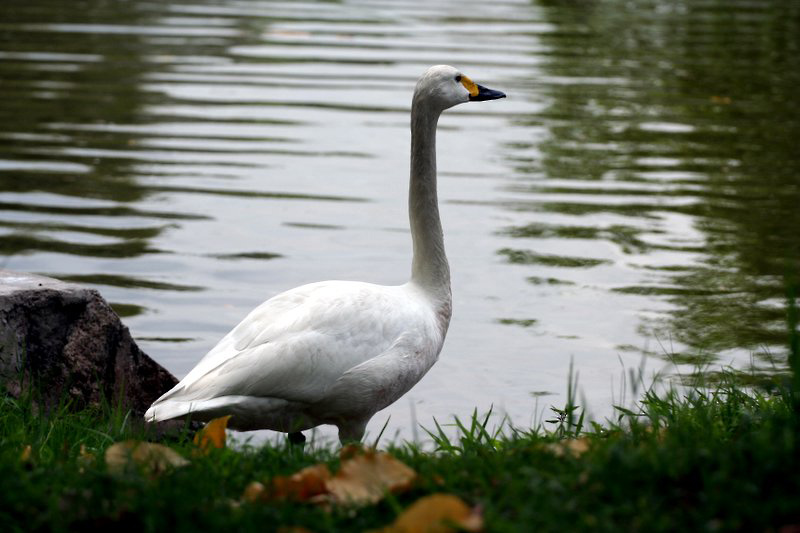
point(717, 460)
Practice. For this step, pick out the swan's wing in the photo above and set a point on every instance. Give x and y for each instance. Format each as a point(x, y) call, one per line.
point(380, 381)
point(296, 345)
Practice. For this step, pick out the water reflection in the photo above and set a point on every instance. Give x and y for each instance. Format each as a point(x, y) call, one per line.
point(688, 110)
point(56, 75)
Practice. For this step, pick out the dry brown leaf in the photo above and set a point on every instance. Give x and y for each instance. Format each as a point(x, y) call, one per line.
point(25, 456)
point(150, 457)
point(253, 492)
point(366, 478)
point(576, 447)
point(723, 100)
point(661, 432)
point(437, 513)
point(293, 529)
point(349, 451)
point(212, 435)
point(302, 486)
point(85, 455)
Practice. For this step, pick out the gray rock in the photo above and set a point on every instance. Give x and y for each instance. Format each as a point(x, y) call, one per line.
point(68, 343)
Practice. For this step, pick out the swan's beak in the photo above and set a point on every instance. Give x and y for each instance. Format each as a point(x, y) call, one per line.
point(484, 93)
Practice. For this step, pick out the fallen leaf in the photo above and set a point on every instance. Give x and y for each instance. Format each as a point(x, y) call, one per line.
point(150, 457)
point(660, 433)
point(349, 451)
point(212, 435)
point(85, 455)
point(302, 486)
point(25, 456)
point(575, 447)
point(437, 513)
point(293, 529)
point(366, 478)
point(254, 491)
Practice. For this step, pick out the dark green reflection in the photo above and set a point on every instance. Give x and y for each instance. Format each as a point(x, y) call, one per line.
point(536, 280)
point(122, 233)
point(527, 257)
point(689, 108)
point(626, 237)
point(127, 310)
point(18, 243)
point(70, 77)
point(523, 322)
point(110, 211)
point(247, 255)
point(177, 340)
point(118, 280)
point(78, 130)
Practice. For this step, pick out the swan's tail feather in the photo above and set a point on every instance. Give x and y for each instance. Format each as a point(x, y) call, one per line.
point(247, 411)
point(167, 410)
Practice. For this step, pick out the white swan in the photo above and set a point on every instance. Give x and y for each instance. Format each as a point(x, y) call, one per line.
point(337, 352)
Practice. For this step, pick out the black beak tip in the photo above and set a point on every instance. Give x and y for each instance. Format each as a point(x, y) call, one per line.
point(484, 93)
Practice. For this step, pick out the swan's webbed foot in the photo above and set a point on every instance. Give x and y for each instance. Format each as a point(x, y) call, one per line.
point(297, 438)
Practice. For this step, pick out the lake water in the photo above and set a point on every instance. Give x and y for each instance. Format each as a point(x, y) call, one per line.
point(634, 201)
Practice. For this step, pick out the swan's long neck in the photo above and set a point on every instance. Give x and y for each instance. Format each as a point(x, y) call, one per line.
point(429, 267)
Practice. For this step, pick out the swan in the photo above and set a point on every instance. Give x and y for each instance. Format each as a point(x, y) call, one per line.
point(337, 352)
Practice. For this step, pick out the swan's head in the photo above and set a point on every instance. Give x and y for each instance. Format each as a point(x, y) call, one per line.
point(444, 86)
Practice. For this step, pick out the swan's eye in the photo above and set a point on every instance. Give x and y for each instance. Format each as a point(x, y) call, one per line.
point(458, 78)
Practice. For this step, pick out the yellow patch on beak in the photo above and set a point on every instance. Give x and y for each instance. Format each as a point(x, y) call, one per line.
point(469, 85)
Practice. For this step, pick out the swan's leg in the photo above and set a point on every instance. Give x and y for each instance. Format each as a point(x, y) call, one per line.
point(296, 438)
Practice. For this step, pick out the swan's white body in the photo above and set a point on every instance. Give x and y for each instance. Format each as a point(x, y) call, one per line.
point(336, 352)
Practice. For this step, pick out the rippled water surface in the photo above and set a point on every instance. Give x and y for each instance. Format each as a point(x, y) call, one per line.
point(636, 196)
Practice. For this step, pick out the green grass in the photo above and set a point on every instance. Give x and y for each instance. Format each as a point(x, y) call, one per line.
point(717, 460)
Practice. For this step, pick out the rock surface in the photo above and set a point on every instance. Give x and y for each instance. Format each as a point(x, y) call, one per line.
point(68, 342)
